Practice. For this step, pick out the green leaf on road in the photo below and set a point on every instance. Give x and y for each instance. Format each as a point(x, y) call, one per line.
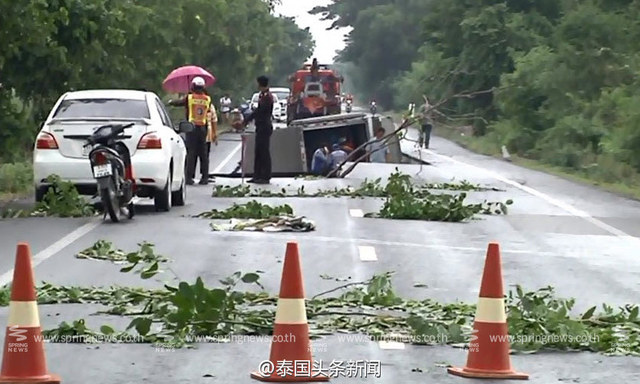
point(250, 278)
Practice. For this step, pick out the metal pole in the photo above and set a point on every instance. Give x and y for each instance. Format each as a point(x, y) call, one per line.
point(242, 157)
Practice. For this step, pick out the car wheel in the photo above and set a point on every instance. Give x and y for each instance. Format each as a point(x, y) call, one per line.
point(179, 197)
point(40, 193)
point(162, 200)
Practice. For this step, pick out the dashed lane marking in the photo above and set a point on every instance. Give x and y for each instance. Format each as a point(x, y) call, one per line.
point(367, 253)
point(390, 345)
point(54, 248)
point(356, 213)
point(329, 239)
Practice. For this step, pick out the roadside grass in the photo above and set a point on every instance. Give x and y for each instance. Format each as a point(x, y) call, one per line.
point(607, 174)
point(628, 186)
point(16, 180)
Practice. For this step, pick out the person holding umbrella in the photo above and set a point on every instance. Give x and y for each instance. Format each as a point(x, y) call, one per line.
point(198, 109)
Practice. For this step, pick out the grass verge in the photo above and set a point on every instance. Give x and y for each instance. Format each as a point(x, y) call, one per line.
point(629, 188)
point(16, 181)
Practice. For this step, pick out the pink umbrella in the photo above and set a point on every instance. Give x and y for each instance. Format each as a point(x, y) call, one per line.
point(179, 80)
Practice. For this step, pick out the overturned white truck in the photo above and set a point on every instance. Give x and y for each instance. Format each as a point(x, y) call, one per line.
point(292, 148)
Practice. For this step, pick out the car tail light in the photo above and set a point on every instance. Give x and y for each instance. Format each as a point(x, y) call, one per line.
point(46, 141)
point(150, 141)
point(99, 158)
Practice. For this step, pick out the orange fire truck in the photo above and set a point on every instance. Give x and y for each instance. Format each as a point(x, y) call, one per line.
point(315, 91)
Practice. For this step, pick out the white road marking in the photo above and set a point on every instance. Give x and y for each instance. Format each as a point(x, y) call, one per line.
point(367, 253)
point(356, 213)
point(390, 345)
point(328, 239)
point(54, 248)
point(564, 206)
point(227, 159)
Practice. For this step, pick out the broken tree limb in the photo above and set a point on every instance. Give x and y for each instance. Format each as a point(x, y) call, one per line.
point(407, 122)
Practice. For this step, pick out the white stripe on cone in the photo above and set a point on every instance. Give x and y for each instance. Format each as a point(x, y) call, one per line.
point(23, 314)
point(291, 311)
point(491, 310)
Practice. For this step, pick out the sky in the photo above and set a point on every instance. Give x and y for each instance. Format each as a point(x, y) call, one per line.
point(327, 42)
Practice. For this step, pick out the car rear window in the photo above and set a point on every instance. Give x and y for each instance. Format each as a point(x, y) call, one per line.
point(282, 95)
point(114, 108)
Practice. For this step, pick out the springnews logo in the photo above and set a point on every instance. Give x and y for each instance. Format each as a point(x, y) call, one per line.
point(15, 331)
point(536, 338)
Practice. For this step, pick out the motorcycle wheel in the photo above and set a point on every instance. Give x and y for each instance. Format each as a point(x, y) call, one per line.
point(110, 202)
point(132, 211)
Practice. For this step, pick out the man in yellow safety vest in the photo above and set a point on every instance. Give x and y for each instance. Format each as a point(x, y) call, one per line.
point(199, 110)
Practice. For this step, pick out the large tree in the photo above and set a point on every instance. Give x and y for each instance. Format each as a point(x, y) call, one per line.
point(50, 47)
point(564, 73)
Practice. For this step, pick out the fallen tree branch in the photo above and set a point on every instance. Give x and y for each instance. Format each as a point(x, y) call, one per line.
point(407, 122)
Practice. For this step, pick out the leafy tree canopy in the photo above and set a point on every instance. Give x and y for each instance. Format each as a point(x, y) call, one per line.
point(50, 47)
point(564, 72)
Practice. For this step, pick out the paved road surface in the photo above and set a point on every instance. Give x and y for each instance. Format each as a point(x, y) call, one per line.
point(577, 239)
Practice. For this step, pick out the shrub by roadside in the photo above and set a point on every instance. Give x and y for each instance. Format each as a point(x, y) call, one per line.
point(16, 179)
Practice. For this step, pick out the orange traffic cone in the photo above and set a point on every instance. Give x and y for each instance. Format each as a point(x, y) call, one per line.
point(23, 359)
point(489, 347)
point(290, 359)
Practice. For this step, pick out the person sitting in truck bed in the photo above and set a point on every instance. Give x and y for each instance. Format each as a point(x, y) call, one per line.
point(378, 149)
point(338, 155)
point(346, 145)
point(320, 163)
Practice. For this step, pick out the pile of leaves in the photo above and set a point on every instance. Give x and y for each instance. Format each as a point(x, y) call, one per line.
point(403, 199)
point(104, 250)
point(368, 188)
point(61, 200)
point(172, 315)
point(404, 202)
point(250, 210)
point(285, 223)
point(255, 216)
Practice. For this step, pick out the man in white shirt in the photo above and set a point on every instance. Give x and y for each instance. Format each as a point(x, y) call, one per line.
point(225, 108)
point(378, 149)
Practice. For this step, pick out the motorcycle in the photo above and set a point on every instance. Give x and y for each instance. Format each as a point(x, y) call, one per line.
point(236, 117)
point(373, 108)
point(245, 109)
point(111, 165)
point(348, 106)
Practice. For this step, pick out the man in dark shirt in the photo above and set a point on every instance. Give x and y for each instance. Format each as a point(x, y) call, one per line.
point(264, 129)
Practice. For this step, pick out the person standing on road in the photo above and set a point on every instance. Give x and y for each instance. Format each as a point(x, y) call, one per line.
point(264, 128)
point(225, 108)
point(426, 123)
point(378, 149)
point(198, 106)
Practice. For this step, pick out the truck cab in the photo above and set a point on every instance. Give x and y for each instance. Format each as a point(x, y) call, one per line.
point(315, 92)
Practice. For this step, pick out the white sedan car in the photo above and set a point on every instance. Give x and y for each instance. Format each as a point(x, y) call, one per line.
point(158, 153)
point(277, 113)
